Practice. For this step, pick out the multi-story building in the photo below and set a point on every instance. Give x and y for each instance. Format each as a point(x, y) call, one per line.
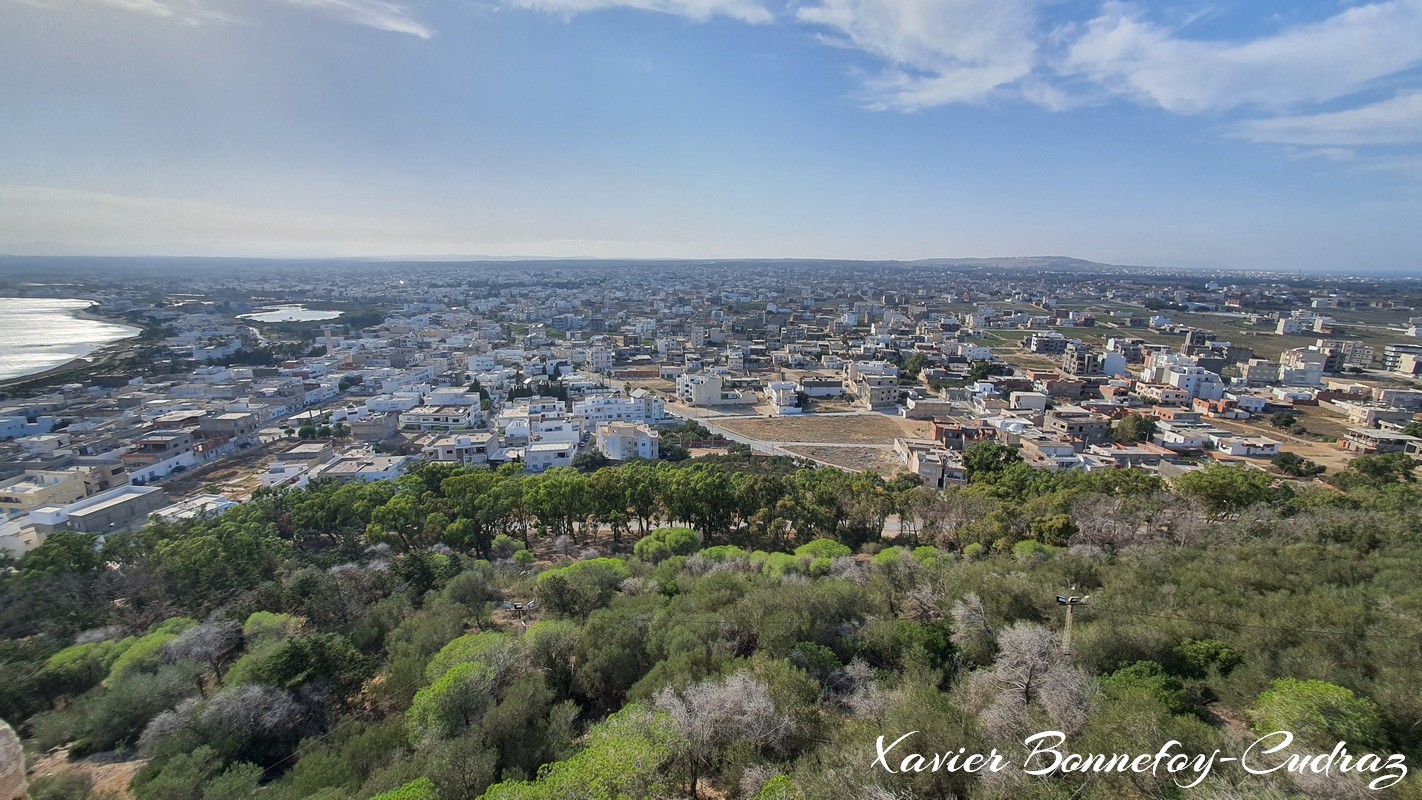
point(642, 406)
point(783, 397)
point(157, 447)
point(620, 441)
point(1048, 343)
point(239, 426)
point(1404, 359)
point(1195, 382)
point(466, 450)
point(541, 456)
point(40, 488)
point(937, 465)
point(1370, 441)
point(1302, 366)
point(1081, 428)
point(703, 390)
point(1354, 352)
point(875, 383)
point(438, 418)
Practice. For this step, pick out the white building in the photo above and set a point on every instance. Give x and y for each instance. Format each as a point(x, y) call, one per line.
point(1247, 446)
point(467, 450)
point(1196, 382)
point(641, 407)
point(703, 390)
point(783, 397)
point(541, 456)
point(620, 441)
point(875, 383)
point(439, 418)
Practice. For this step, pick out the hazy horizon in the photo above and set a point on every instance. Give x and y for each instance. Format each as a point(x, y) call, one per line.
point(1228, 136)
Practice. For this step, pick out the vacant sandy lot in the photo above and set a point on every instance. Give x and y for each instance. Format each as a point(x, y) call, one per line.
point(829, 429)
point(882, 460)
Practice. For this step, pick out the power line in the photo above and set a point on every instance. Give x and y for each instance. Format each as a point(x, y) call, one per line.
point(1282, 629)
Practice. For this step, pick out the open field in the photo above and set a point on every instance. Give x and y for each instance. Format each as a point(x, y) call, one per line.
point(1325, 453)
point(829, 429)
point(882, 460)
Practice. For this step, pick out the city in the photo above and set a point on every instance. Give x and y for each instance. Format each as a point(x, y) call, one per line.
point(710, 400)
point(548, 366)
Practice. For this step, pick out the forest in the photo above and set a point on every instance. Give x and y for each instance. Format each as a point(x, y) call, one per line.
point(729, 627)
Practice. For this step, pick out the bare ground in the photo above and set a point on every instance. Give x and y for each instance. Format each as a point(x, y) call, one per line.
point(829, 429)
point(882, 460)
point(110, 775)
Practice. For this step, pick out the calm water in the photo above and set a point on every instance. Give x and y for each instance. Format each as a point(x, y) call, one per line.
point(289, 313)
point(39, 334)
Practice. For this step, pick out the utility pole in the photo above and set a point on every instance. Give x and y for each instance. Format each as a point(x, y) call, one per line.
point(1070, 603)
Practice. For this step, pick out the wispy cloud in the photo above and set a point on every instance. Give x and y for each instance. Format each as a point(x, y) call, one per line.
point(378, 14)
point(937, 51)
point(751, 11)
point(1309, 63)
point(382, 15)
point(1389, 122)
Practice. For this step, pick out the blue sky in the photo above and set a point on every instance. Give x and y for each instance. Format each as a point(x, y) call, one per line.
point(1259, 134)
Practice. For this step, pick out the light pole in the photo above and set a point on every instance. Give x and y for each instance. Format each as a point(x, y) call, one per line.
point(1070, 603)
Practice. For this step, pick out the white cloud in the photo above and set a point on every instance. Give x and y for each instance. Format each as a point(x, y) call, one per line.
point(1394, 121)
point(1301, 64)
point(751, 11)
point(378, 14)
point(141, 6)
point(938, 51)
point(383, 15)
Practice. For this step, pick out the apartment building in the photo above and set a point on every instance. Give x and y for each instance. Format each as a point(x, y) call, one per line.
point(1082, 428)
point(784, 397)
point(38, 488)
point(466, 450)
point(620, 441)
point(875, 383)
point(441, 418)
point(641, 407)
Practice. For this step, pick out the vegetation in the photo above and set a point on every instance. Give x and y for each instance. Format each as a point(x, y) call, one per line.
point(697, 630)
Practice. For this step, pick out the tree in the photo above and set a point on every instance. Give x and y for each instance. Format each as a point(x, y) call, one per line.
point(403, 519)
point(982, 370)
point(1296, 465)
point(1284, 420)
point(1377, 471)
point(591, 461)
point(666, 542)
point(985, 460)
point(1318, 714)
point(1226, 490)
point(1133, 428)
point(580, 588)
point(711, 717)
point(212, 644)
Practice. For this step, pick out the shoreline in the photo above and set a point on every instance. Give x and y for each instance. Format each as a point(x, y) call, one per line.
point(96, 357)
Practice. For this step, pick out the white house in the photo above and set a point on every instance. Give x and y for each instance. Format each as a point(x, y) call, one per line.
point(446, 418)
point(783, 397)
point(642, 407)
point(468, 450)
point(620, 441)
point(541, 456)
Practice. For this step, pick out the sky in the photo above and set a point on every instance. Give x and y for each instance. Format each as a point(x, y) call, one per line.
point(1240, 134)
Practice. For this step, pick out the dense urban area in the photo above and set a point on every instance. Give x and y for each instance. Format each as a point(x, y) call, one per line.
point(563, 530)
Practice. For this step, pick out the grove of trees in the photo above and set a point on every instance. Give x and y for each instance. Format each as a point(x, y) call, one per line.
point(738, 627)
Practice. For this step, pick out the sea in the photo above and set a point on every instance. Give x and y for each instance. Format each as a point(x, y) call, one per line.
point(37, 334)
point(289, 313)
